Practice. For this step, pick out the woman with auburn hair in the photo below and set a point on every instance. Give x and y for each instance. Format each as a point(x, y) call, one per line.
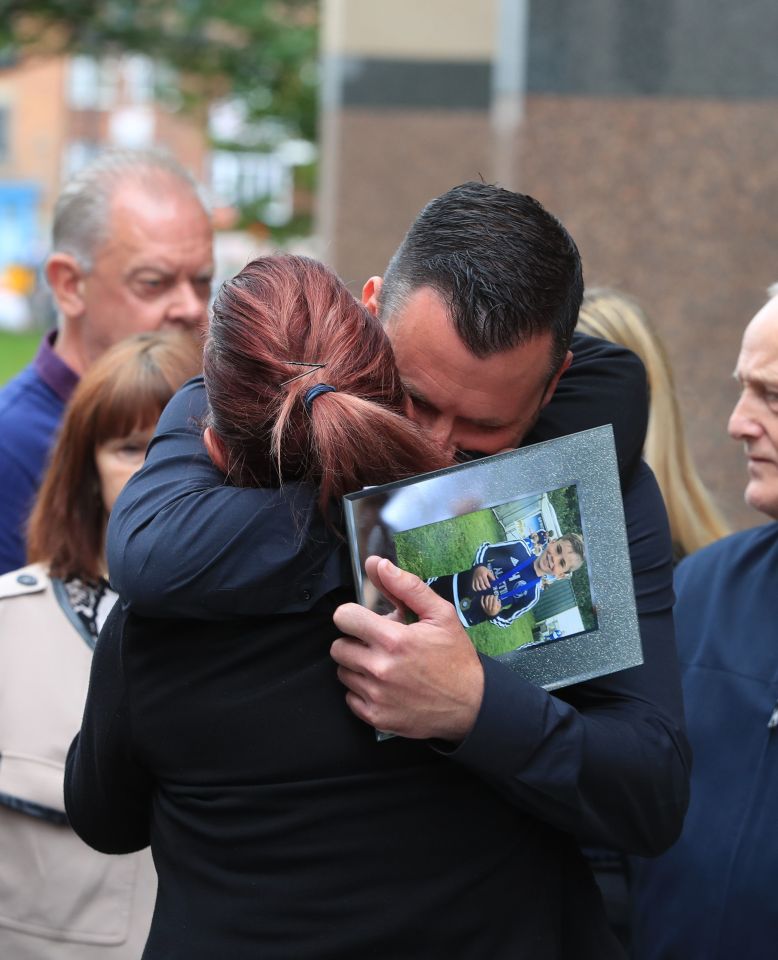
point(280, 328)
point(58, 898)
point(695, 520)
point(280, 825)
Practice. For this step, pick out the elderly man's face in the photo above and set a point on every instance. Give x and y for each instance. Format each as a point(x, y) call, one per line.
point(755, 417)
point(153, 271)
point(465, 402)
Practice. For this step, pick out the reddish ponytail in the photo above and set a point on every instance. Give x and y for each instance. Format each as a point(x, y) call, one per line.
point(285, 310)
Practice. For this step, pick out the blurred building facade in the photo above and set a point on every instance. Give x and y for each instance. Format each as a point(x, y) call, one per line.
point(56, 114)
point(649, 129)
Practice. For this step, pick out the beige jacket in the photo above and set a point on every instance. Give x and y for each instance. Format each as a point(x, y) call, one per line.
point(58, 898)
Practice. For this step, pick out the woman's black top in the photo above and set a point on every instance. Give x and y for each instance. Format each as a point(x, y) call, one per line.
point(280, 826)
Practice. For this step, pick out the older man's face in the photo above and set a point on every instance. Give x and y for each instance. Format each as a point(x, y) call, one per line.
point(754, 420)
point(154, 270)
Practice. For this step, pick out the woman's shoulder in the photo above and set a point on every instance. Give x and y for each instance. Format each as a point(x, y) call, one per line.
point(32, 579)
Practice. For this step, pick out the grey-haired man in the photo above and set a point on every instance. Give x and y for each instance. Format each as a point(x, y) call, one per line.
point(712, 895)
point(132, 252)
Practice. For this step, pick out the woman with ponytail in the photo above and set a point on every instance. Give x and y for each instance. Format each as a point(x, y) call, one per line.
point(302, 386)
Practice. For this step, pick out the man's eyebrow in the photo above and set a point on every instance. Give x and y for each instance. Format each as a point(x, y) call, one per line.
point(412, 392)
point(163, 271)
point(148, 268)
point(487, 424)
point(765, 381)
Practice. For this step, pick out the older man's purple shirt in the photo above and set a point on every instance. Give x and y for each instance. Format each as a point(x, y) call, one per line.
point(31, 407)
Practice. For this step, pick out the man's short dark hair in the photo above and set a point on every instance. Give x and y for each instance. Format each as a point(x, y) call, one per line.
point(506, 269)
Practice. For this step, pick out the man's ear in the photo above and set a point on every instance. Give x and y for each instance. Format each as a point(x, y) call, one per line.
point(65, 277)
point(215, 447)
point(552, 384)
point(370, 294)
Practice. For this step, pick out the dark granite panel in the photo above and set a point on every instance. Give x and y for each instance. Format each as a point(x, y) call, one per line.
point(707, 48)
point(414, 84)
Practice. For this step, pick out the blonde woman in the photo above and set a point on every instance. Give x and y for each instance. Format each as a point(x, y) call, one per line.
point(695, 520)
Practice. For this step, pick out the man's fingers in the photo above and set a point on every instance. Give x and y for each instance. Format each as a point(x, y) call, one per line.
point(358, 621)
point(364, 710)
point(354, 681)
point(345, 651)
point(409, 591)
point(371, 568)
point(357, 706)
point(362, 694)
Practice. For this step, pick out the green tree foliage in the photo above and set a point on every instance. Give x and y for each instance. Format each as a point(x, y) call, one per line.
point(565, 504)
point(262, 51)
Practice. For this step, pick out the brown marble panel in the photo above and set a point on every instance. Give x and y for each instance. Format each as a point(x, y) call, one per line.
point(673, 200)
point(390, 163)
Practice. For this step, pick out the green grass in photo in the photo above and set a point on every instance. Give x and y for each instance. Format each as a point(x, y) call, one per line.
point(448, 547)
point(16, 351)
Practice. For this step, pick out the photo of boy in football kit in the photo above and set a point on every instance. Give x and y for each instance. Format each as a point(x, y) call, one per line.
point(507, 579)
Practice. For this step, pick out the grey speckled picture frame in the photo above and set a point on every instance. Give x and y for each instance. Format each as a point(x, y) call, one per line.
point(585, 461)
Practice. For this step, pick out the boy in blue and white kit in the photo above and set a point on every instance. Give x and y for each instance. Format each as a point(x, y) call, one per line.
point(507, 579)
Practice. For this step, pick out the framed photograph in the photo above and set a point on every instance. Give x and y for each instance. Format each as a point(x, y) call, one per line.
point(528, 546)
